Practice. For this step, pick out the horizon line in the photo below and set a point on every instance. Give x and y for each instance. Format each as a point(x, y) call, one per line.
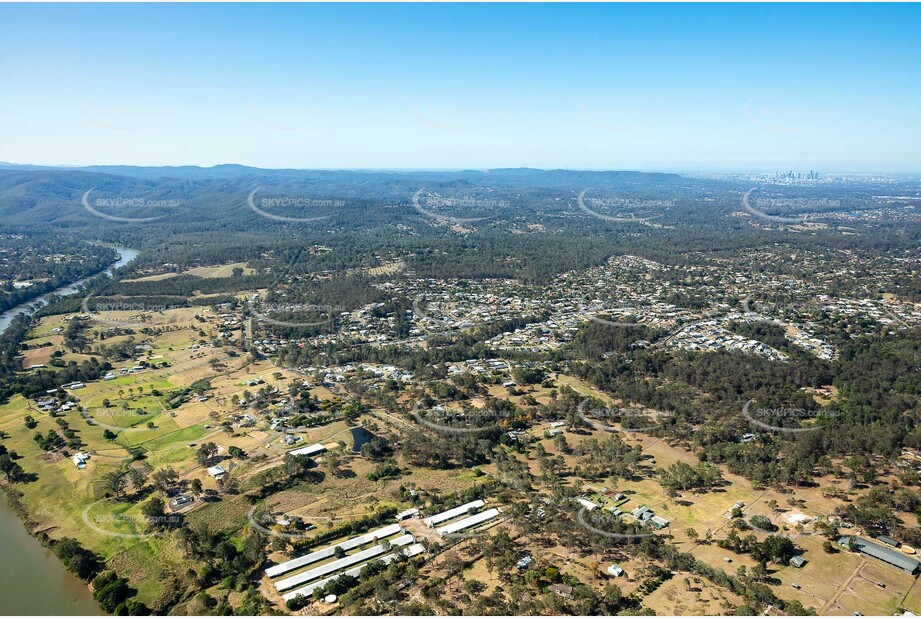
point(644, 170)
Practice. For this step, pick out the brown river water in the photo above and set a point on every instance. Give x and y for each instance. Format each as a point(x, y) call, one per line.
point(32, 580)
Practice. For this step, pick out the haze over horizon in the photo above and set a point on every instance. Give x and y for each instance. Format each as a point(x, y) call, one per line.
point(423, 87)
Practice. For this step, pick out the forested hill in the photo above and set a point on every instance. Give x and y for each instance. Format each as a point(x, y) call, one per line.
point(505, 176)
point(30, 195)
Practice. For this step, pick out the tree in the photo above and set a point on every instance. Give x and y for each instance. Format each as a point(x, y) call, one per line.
point(612, 594)
point(196, 487)
point(237, 452)
point(137, 478)
point(153, 512)
point(692, 534)
point(164, 479)
point(531, 578)
point(114, 483)
point(775, 547)
point(762, 522)
point(79, 560)
point(10, 468)
point(759, 572)
point(205, 452)
point(113, 595)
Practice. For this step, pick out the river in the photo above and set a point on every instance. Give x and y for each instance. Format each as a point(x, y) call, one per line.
point(32, 580)
point(125, 255)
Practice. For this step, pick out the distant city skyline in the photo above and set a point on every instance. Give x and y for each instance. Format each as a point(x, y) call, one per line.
point(659, 87)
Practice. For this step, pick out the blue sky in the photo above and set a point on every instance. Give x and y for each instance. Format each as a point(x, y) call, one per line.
point(660, 86)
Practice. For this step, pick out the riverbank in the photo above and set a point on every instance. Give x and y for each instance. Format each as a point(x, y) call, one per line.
point(32, 579)
point(33, 582)
point(125, 255)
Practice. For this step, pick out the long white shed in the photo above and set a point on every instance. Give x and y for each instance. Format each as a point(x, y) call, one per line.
point(326, 552)
point(409, 552)
point(313, 449)
point(467, 522)
point(341, 563)
point(452, 513)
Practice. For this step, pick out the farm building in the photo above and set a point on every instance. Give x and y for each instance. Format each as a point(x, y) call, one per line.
point(468, 522)
point(615, 571)
point(888, 540)
point(659, 522)
point(642, 513)
point(882, 553)
point(342, 563)
point(328, 552)
point(562, 590)
point(452, 513)
point(313, 449)
point(306, 591)
point(587, 504)
point(407, 514)
point(797, 561)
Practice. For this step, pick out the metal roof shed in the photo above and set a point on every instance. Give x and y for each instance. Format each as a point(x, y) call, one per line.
point(884, 554)
point(452, 513)
point(468, 522)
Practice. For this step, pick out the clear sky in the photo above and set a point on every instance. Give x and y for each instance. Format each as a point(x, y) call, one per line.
point(827, 87)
